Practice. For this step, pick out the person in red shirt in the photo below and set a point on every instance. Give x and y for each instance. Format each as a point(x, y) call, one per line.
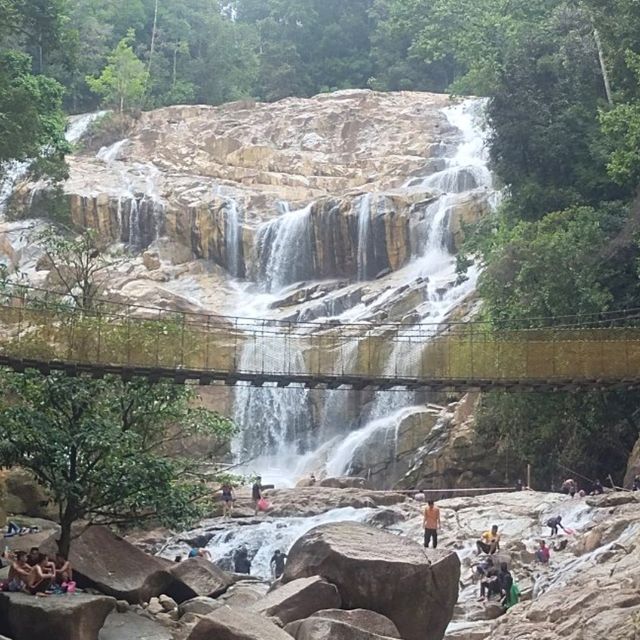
point(543, 554)
point(431, 524)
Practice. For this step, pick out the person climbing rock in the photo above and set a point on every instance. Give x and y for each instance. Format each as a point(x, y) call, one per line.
point(543, 553)
point(241, 561)
point(431, 524)
point(489, 541)
point(554, 523)
point(277, 563)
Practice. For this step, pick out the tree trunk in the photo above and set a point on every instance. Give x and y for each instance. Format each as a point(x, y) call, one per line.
point(153, 41)
point(603, 67)
point(64, 542)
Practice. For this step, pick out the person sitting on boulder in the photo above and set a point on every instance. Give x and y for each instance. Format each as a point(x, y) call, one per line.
point(40, 577)
point(506, 582)
point(489, 541)
point(482, 569)
point(64, 571)
point(33, 556)
point(18, 573)
point(636, 484)
point(241, 562)
point(598, 489)
point(277, 563)
point(490, 584)
point(543, 553)
point(196, 552)
point(431, 524)
point(554, 523)
point(569, 487)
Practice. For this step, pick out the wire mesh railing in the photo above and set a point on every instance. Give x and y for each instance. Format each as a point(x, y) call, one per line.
point(49, 328)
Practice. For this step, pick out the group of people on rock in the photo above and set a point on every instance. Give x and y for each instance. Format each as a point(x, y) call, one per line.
point(570, 487)
point(38, 574)
point(228, 497)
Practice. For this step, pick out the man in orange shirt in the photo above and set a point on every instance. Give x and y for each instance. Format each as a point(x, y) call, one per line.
point(431, 524)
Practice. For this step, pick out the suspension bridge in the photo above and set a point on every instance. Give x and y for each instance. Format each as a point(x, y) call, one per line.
point(48, 334)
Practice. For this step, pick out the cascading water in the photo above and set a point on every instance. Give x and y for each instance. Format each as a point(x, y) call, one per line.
point(276, 423)
point(364, 235)
point(79, 125)
point(233, 239)
point(284, 250)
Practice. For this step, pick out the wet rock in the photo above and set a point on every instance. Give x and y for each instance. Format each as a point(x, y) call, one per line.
point(361, 561)
point(24, 617)
point(232, 624)
point(299, 599)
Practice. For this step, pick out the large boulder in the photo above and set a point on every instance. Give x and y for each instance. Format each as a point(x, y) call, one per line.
point(357, 620)
point(108, 563)
point(299, 599)
point(315, 628)
point(244, 594)
point(25, 496)
point(373, 569)
point(188, 579)
point(132, 626)
point(232, 624)
point(77, 617)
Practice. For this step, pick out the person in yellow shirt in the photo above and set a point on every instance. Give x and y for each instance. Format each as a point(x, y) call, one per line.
point(489, 541)
point(431, 524)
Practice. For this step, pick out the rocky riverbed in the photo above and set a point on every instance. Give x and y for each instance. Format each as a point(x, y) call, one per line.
point(346, 559)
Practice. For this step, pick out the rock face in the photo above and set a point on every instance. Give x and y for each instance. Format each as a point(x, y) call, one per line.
point(357, 620)
point(299, 599)
point(320, 628)
point(364, 562)
point(189, 579)
point(231, 624)
point(78, 617)
point(106, 562)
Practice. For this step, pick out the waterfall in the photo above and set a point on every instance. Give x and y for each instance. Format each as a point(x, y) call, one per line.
point(285, 250)
point(233, 239)
point(11, 173)
point(79, 125)
point(278, 425)
point(364, 235)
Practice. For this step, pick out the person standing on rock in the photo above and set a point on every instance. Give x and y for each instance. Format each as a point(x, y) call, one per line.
point(227, 500)
point(277, 563)
point(256, 494)
point(431, 524)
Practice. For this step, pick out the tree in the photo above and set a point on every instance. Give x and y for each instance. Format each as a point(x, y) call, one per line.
point(81, 265)
point(122, 83)
point(99, 447)
point(31, 120)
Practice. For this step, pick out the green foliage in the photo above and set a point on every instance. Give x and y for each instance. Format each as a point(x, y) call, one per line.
point(31, 120)
point(123, 82)
point(98, 446)
point(590, 433)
